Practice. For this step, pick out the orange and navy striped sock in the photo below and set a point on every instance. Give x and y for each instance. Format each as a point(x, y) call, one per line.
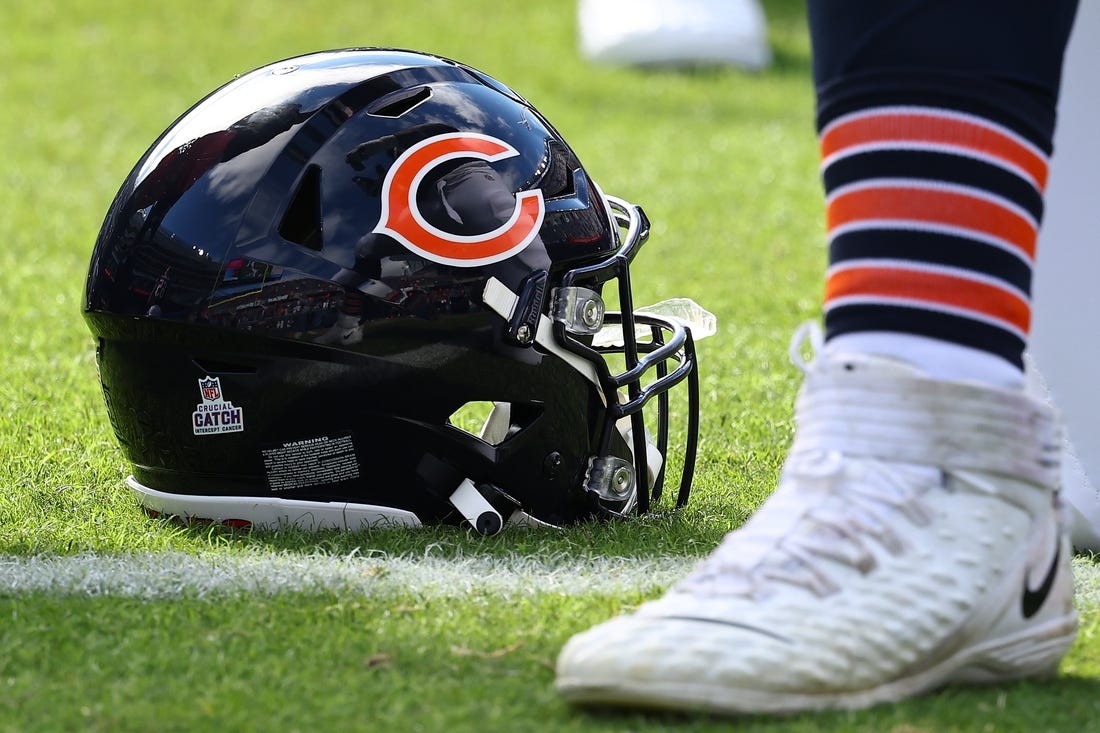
point(932, 217)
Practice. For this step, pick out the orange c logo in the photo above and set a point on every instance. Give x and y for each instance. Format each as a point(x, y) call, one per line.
point(402, 220)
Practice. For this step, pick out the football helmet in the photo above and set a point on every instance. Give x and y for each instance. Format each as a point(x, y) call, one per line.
point(323, 262)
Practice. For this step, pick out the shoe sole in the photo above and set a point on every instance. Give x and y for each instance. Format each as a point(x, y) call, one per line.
point(1032, 653)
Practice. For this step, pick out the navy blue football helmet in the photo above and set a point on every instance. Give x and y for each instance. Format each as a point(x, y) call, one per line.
point(313, 271)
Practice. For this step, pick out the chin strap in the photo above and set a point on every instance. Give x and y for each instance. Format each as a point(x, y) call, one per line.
point(476, 509)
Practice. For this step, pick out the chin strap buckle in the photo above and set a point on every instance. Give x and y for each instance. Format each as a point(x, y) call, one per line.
point(476, 509)
point(613, 481)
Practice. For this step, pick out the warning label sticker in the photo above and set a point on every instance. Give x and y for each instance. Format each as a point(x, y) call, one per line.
point(301, 463)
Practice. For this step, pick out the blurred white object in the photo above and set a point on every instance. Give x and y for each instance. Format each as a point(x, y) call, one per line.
point(1079, 495)
point(683, 33)
point(1066, 299)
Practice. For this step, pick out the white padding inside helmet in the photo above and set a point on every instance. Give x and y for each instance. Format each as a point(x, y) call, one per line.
point(495, 429)
point(653, 458)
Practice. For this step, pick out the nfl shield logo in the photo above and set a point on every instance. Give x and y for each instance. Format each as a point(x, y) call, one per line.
point(211, 389)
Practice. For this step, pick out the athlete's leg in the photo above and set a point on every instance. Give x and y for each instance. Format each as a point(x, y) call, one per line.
point(1067, 302)
point(914, 538)
point(935, 121)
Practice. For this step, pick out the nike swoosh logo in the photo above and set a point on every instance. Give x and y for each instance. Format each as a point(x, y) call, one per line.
point(1034, 599)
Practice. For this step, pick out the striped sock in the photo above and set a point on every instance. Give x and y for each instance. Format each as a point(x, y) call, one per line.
point(932, 218)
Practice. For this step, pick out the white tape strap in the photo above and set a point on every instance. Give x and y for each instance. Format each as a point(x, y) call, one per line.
point(503, 301)
point(912, 419)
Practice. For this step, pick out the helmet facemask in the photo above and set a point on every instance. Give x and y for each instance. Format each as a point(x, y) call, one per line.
point(655, 353)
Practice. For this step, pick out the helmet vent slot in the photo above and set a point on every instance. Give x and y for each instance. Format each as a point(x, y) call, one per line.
point(397, 104)
point(493, 422)
point(472, 418)
point(302, 221)
point(559, 176)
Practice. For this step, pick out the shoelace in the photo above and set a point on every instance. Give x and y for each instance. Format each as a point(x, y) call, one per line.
point(846, 527)
point(843, 521)
point(848, 507)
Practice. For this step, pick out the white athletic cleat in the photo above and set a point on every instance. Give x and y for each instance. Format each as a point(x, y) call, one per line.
point(914, 540)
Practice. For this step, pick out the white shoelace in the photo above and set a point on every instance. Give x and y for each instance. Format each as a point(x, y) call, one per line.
point(842, 520)
point(830, 509)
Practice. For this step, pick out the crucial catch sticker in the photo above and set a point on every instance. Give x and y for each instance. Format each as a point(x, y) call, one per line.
point(215, 415)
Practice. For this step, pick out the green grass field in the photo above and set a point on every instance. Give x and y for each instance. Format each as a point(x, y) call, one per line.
point(110, 621)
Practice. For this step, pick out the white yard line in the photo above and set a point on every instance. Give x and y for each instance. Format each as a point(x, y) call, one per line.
point(175, 574)
point(168, 575)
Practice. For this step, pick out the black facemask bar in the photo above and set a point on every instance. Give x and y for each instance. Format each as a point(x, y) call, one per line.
point(668, 340)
